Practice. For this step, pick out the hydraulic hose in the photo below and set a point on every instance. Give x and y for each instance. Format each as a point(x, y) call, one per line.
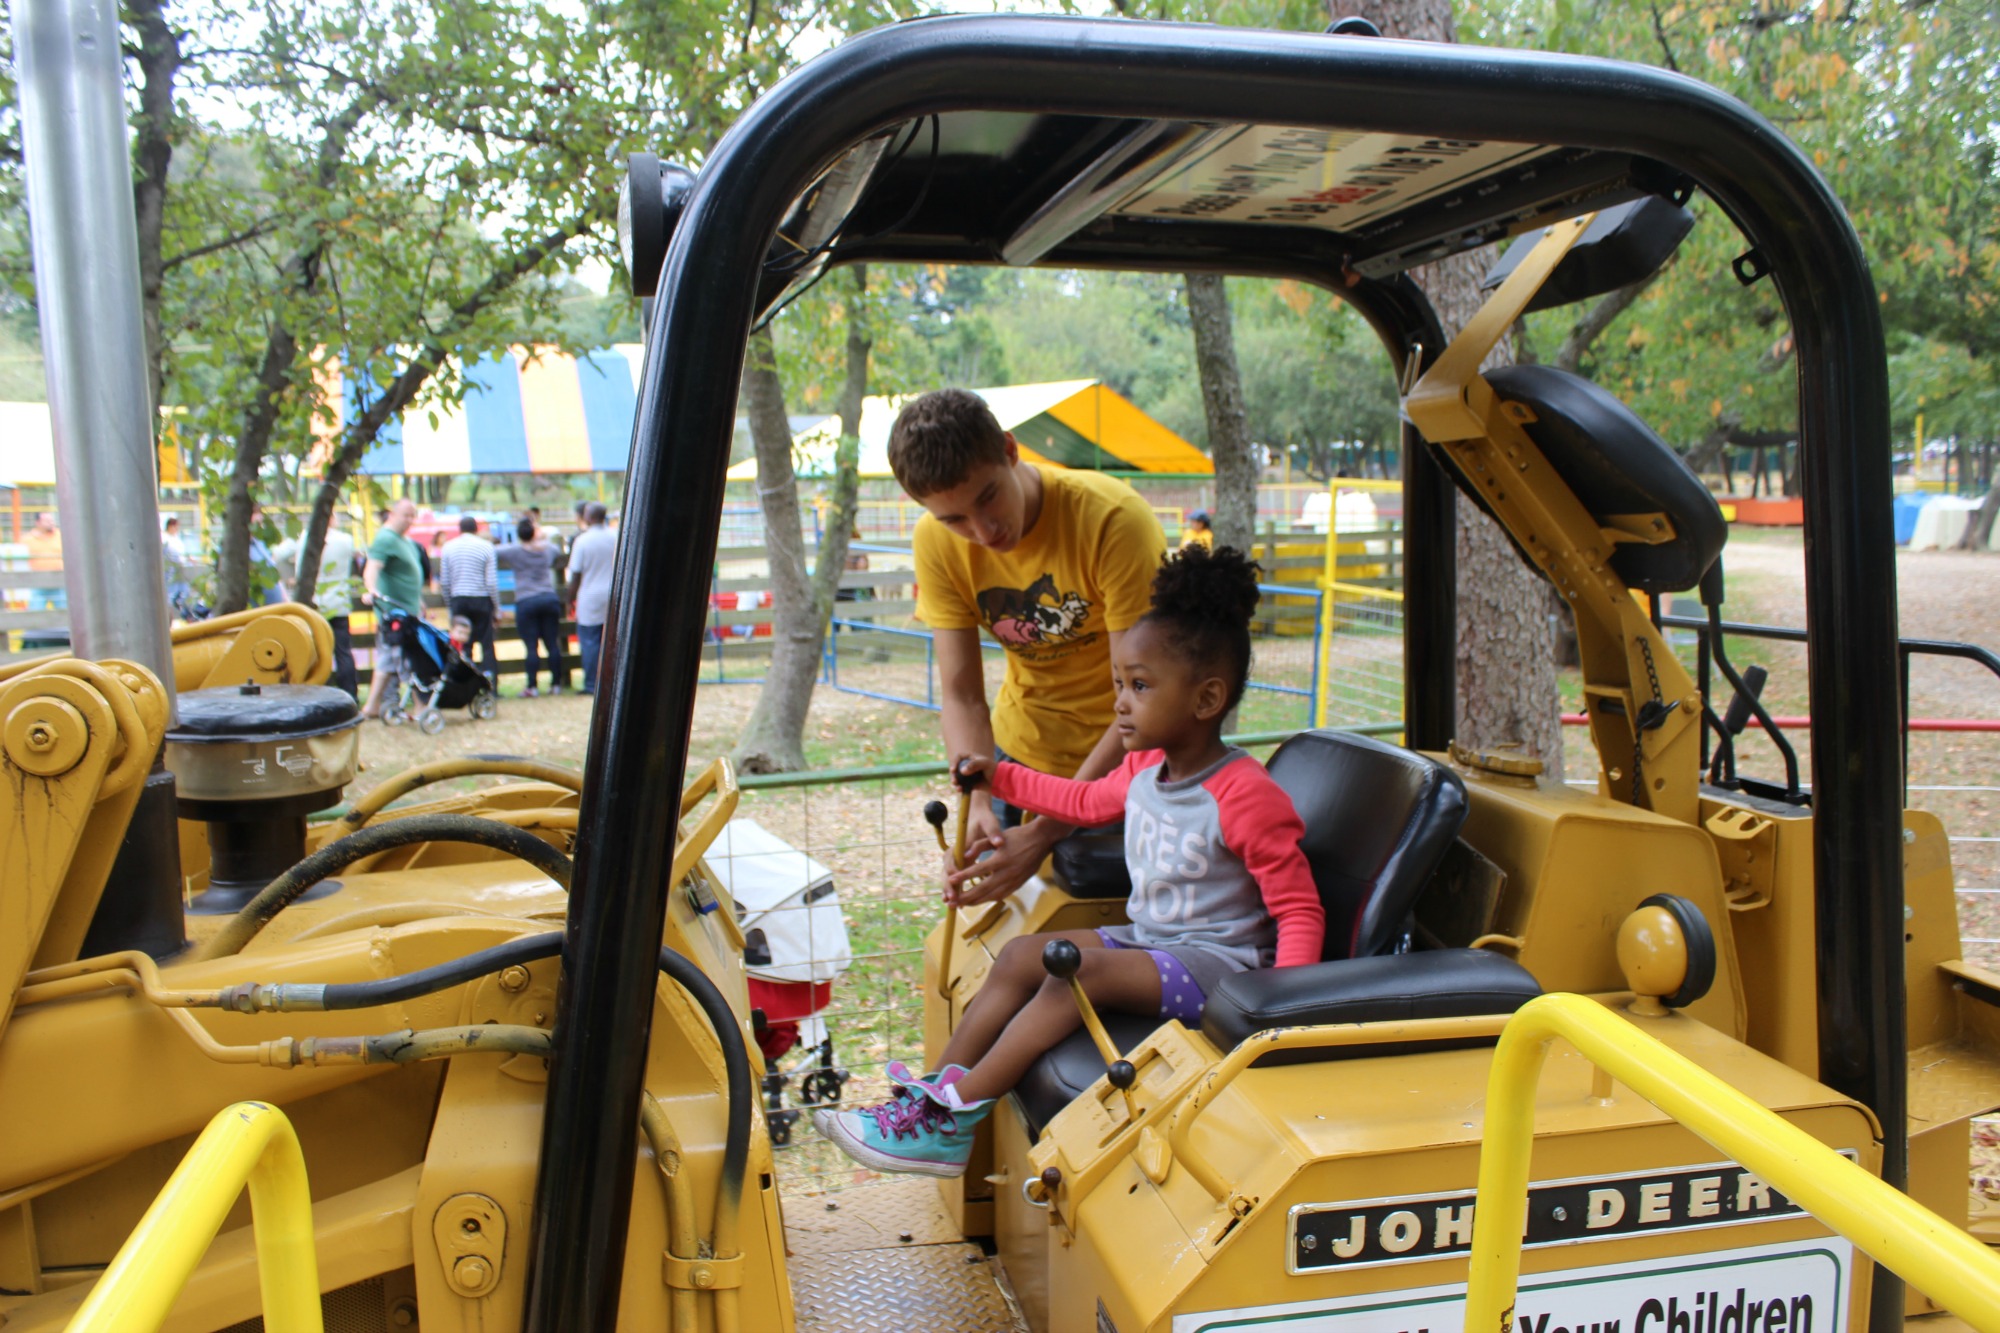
point(291, 997)
point(287, 888)
point(736, 1143)
point(472, 766)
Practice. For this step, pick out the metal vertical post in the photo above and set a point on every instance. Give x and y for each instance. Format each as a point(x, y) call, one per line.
point(86, 252)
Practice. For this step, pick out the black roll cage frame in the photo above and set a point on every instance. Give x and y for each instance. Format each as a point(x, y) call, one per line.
point(709, 300)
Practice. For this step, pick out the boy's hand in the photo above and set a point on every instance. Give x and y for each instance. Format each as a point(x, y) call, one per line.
point(971, 772)
point(1015, 855)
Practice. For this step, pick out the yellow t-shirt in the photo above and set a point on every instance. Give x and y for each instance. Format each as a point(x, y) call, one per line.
point(1085, 569)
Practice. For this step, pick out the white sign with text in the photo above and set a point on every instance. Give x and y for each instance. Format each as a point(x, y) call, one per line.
point(1796, 1287)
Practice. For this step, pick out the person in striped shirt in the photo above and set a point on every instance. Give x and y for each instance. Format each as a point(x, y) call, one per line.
point(469, 578)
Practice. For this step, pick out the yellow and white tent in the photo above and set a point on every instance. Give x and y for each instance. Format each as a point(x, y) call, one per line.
point(1068, 423)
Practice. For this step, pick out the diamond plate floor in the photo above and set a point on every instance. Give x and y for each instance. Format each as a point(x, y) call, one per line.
point(886, 1257)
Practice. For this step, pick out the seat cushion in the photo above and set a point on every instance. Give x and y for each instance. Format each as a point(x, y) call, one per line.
point(1445, 983)
point(1054, 1080)
point(1091, 864)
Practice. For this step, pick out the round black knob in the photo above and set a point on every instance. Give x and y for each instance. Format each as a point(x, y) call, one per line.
point(1122, 1075)
point(1061, 959)
point(1051, 1179)
point(1353, 26)
point(935, 813)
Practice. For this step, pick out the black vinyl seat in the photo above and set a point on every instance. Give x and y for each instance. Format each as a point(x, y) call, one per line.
point(1378, 820)
point(1616, 464)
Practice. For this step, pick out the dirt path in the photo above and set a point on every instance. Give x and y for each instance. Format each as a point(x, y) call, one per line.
point(1939, 595)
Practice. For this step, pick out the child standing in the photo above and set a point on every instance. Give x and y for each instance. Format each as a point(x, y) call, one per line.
point(1219, 884)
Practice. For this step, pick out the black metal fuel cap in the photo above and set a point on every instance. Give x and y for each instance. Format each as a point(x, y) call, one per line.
point(242, 713)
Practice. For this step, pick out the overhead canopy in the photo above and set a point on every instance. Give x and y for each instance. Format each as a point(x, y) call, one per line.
point(1068, 423)
point(524, 410)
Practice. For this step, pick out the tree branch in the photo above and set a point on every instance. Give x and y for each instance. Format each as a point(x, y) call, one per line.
point(1597, 319)
point(1660, 32)
point(261, 228)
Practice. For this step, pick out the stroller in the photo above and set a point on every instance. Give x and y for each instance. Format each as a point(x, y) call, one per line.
point(439, 675)
point(796, 946)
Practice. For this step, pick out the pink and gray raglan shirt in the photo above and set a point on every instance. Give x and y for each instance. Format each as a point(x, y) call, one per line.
point(1218, 879)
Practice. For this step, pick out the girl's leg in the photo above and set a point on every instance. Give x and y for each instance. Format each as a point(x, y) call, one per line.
point(1017, 974)
point(1122, 980)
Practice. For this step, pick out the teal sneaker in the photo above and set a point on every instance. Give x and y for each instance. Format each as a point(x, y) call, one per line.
point(931, 1085)
point(909, 1134)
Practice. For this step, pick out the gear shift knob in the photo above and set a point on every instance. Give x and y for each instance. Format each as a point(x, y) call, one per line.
point(1061, 959)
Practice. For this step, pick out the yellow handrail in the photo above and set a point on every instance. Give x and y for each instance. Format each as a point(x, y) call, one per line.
point(1895, 1230)
point(251, 1143)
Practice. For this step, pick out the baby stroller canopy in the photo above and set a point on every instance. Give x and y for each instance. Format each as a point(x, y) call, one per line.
point(786, 898)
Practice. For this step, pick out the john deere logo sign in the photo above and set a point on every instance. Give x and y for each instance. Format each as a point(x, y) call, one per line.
point(1367, 1232)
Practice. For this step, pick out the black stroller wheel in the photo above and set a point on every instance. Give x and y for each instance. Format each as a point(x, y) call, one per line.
point(781, 1123)
point(821, 1087)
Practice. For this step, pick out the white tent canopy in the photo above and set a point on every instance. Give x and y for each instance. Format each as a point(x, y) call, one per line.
point(27, 445)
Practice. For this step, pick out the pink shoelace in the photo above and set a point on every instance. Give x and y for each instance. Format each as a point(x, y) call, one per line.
point(907, 1117)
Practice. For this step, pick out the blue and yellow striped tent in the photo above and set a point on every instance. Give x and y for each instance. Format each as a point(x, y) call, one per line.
point(524, 410)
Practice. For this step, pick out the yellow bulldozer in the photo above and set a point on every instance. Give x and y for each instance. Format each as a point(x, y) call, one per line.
point(1689, 1052)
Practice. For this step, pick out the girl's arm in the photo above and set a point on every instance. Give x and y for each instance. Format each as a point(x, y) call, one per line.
point(1082, 803)
point(1260, 824)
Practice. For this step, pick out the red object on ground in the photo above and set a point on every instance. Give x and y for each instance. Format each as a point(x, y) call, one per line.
point(784, 1003)
point(1916, 723)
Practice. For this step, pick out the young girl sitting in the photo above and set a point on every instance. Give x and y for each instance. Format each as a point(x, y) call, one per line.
point(1219, 884)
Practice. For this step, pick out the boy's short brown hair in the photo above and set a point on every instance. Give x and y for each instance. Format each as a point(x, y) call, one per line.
point(939, 438)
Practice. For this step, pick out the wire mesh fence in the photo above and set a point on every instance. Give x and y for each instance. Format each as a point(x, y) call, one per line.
point(868, 832)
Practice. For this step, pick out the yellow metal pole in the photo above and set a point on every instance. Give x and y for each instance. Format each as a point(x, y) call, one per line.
point(1326, 581)
point(248, 1142)
point(1937, 1258)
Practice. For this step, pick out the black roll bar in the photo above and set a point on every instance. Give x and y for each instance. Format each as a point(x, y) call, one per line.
point(681, 436)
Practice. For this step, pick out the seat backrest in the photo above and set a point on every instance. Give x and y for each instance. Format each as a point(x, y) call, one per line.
point(1616, 464)
point(1378, 820)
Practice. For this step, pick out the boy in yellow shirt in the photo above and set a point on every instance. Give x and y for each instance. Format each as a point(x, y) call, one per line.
point(1056, 565)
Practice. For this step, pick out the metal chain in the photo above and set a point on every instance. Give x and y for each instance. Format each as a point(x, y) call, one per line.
point(1647, 720)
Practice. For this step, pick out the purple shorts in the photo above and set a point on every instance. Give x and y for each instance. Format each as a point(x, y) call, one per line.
point(1180, 996)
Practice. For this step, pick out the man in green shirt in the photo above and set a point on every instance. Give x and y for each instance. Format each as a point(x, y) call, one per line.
point(393, 576)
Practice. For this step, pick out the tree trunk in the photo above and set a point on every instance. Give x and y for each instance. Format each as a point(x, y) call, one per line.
point(1222, 400)
point(232, 563)
point(1506, 672)
point(260, 418)
point(773, 739)
point(833, 543)
point(152, 152)
point(1979, 524)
